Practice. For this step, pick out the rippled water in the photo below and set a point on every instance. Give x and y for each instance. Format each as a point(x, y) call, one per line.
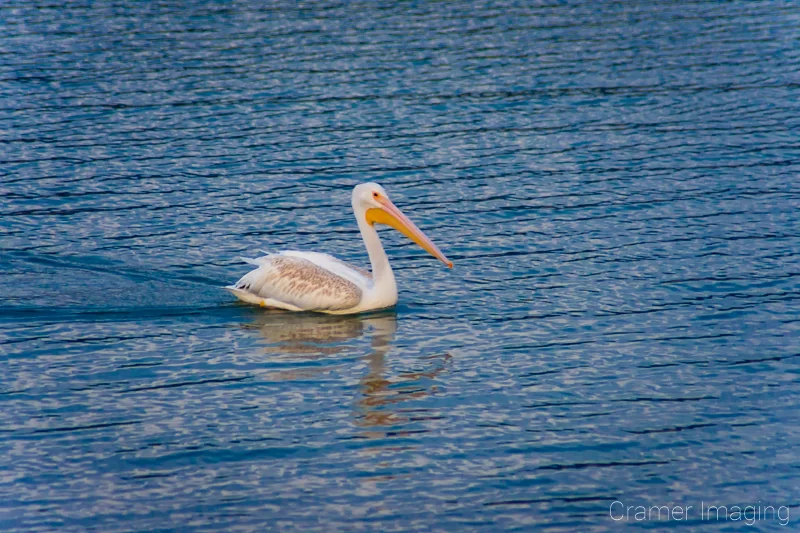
point(617, 184)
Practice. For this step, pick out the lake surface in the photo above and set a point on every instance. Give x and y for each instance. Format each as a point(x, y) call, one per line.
point(617, 184)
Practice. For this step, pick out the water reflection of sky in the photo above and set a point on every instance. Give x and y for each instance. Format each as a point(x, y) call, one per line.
point(616, 186)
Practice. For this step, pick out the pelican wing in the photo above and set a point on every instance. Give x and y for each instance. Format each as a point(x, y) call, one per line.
point(290, 281)
point(357, 275)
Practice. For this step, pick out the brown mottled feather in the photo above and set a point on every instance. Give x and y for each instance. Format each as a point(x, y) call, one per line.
point(301, 283)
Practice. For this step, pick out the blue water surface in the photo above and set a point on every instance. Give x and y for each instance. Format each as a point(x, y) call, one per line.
point(616, 182)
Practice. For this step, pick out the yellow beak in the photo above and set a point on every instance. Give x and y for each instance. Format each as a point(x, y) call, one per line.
point(390, 215)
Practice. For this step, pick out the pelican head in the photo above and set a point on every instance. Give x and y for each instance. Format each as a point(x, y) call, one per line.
point(371, 201)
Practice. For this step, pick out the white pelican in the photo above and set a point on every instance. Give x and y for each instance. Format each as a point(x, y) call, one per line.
point(311, 281)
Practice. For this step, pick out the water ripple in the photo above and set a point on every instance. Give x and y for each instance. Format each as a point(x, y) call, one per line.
point(616, 186)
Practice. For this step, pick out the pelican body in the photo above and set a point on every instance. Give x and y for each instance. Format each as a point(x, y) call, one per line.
point(312, 281)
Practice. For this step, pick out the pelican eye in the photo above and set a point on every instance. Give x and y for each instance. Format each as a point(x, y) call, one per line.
point(375, 194)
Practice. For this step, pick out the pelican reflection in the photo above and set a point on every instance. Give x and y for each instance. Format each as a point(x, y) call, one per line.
point(333, 340)
point(311, 336)
point(382, 390)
